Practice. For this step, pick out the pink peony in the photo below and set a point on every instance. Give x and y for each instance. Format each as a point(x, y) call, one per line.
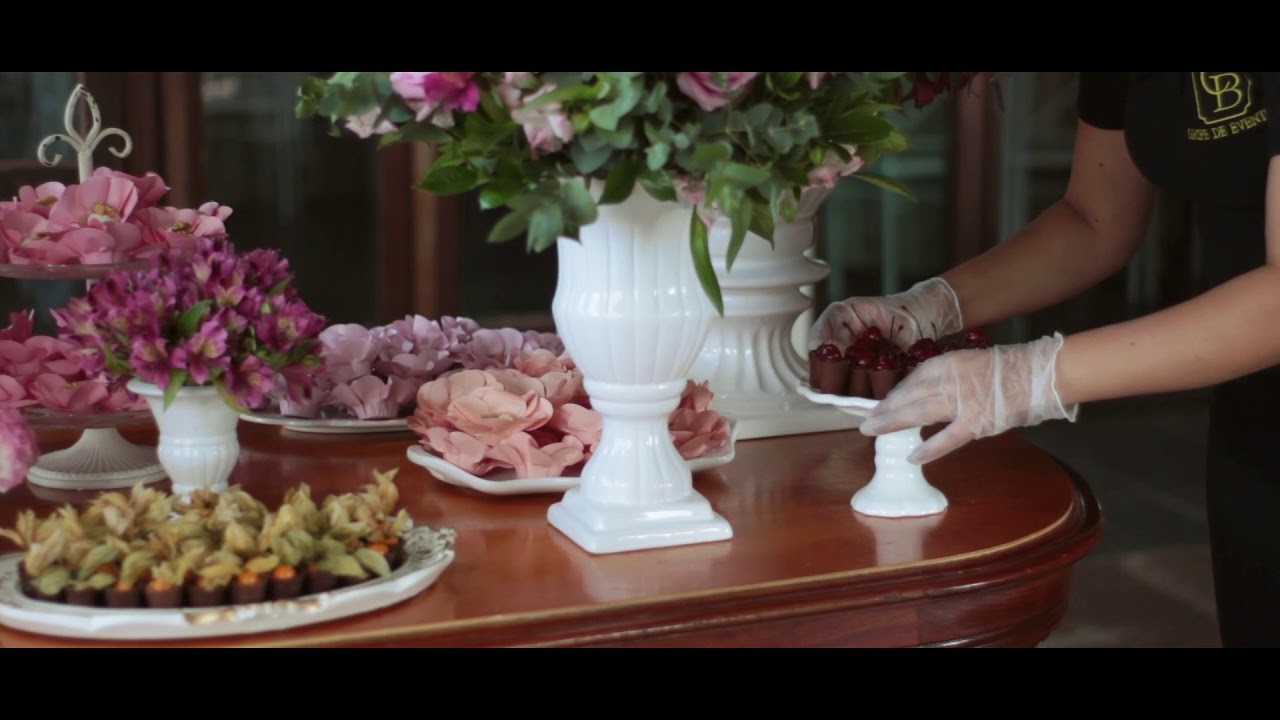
point(178, 228)
point(39, 200)
point(492, 348)
point(348, 351)
point(712, 91)
point(541, 361)
point(18, 448)
point(150, 187)
point(95, 202)
point(521, 453)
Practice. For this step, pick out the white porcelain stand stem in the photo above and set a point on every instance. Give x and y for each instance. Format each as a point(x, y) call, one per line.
point(636, 491)
point(632, 315)
point(100, 460)
point(750, 359)
point(898, 488)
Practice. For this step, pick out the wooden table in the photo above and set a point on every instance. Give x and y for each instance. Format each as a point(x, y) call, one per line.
point(803, 569)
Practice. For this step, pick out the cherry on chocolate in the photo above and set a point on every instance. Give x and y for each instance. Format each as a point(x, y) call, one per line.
point(871, 333)
point(923, 349)
point(827, 351)
point(885, 362)
point(975, 338)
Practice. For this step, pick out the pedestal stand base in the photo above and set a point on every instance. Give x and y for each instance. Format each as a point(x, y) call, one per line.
point(601, 528)
point(100, 460)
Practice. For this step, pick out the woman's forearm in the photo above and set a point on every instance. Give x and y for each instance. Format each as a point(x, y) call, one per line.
point(1078, 242)
point(1223, 334)
point(1057, 256)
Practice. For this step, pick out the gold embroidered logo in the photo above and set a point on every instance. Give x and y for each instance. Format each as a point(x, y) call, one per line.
point(1224, 101)
point(1222, 96)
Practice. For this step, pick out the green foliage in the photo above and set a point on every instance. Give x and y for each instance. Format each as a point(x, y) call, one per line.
point(534, 141)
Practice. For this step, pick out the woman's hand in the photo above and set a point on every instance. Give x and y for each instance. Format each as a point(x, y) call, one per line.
point(928, 309)
point(978, 392)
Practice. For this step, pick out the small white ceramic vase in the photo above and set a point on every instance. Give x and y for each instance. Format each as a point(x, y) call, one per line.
point(198, 446)
point(633, 316)
point(750, 358)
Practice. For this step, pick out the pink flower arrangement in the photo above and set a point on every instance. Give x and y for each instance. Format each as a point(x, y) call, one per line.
point(208, 316)
point(374, 373)
point(535, 419)
point(55, 373)
point(111, 217)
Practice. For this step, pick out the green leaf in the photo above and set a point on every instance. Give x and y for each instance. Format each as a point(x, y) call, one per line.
point(658, 185)
point(230, 399)
point(622, 138)
point(177, 378)
point(657, 154)
point(189, 320)
point(589, 161)
point(744, 176)
point(545, 227)
point(885, 183)
point(511, 225)
point(449, 179)
point(497, 194)
point(620, 183)
point(740, 219)
point(607, 116)
point(710, 153)
point(576, 202)
point(762, 221)
point(702, 261)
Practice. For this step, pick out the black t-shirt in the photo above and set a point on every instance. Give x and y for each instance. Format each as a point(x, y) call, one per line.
point(1206, 137)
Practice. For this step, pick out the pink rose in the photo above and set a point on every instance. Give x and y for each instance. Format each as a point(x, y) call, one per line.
point(712, 91)
point(546, 126)
point(833, 168)
point(363, 125)
point(436, 95)
point(435, 397)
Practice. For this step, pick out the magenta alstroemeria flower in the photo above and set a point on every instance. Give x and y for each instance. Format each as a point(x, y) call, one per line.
point(150, 359)
point(250, 381)
point(205, 352)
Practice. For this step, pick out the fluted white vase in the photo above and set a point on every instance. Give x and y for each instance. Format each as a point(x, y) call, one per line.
point(198, 445)
point(750, 359)
point(632, 314)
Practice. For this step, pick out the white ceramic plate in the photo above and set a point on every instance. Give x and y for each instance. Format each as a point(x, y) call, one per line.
point(428, 553)
point(332, 426)
point(853, 405)
point(506, 483)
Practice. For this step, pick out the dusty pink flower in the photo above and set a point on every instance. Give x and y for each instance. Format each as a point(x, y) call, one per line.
point(540, 362)
point(459, 449)
point(311, 399)
point(492, 348)
point(696, 396)
point(348, 350)
point(114, 243)
point(579, 422)
point(39, 200)
point(697, 433)
point(18, 448)
point(546, 126)
point(369, 397)
point(21, 325)
point(690, 189)
point(491, 413)
point(521, 453)
point(151, 187)
point(435, 397)
point(178, 228)
point(712, 91)
point(512, 86)
point(517, 383)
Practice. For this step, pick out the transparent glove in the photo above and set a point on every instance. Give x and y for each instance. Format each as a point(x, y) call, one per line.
point(927, 309)
point(979, 392)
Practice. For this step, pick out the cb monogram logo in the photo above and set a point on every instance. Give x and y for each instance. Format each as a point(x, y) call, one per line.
point(1222, 96)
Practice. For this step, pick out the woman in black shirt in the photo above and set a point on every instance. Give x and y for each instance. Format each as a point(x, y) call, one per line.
point(1213, 138)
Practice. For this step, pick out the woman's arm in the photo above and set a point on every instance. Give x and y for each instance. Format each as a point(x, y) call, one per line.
point(1223, 334)
point(1073, 245)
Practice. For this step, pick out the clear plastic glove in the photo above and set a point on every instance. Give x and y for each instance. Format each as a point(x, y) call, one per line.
point(927, 309)
point(979, 392)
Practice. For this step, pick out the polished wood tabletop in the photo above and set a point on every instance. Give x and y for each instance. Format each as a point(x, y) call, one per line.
point(803, 569)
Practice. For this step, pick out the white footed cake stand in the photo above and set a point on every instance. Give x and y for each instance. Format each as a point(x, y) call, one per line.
point(898, 488)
